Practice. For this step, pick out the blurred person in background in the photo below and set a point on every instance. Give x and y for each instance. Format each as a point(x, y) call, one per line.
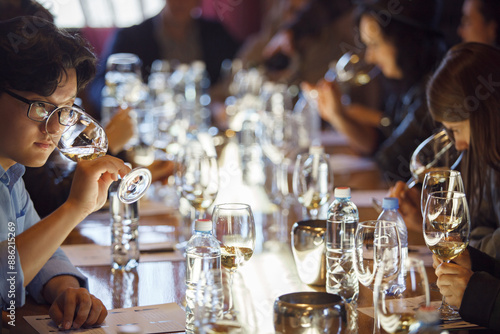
point(177, 34)
point(480, 22)
point(406, 45)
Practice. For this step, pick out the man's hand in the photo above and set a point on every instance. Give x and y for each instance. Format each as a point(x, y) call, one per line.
point(91, 181)
point(452, 281)
point(76, 307)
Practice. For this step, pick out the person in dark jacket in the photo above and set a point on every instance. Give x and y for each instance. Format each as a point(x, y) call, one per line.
point(471, 283)
point(404, 42)
point(173, 34)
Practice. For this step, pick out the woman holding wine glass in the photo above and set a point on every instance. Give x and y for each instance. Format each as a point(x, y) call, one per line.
point(406, 48)
point(446, 231)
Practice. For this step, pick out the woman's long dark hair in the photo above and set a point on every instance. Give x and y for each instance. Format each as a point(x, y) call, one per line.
point(466, 86)
point(412, 27)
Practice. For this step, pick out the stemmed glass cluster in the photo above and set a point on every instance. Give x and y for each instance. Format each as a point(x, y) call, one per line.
point(377, 251)
point(80, 137)
point(446, 231)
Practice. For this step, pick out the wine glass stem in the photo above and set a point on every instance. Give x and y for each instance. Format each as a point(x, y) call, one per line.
point(314, 213)
point(230, 294)
point(376, 317)
point(199, 214)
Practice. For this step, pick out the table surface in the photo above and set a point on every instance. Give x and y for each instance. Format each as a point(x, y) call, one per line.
point(269, 273)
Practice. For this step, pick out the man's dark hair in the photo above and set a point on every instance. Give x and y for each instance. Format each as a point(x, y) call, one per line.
point(35, 55)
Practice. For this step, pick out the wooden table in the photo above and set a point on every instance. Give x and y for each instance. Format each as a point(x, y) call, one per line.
point(268, 274)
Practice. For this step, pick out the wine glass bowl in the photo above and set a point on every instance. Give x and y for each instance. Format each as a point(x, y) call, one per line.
point(397, 311)
point(436, 152)
point(80, 137)
point(440, 180)
point(197, 177)
point(446, 231)
point(235, 229)
point(312, 181)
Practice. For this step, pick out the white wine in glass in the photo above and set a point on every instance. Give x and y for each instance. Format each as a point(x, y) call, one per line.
point(80, 137)
point(313, 180)
point(235, 229)
point(447, 231)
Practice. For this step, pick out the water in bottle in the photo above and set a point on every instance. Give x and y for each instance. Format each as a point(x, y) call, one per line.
point(124, 231)
point(341, 225)
point(390, 206)
point(202, 255)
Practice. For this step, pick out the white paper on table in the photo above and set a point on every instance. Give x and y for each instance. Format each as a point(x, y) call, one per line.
point(163, 318)
point(421, 252)
point(86, 255)
point(363, 198)
point(412, 305)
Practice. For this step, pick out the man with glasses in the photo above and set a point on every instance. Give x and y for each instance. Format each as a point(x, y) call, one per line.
point(41, 71)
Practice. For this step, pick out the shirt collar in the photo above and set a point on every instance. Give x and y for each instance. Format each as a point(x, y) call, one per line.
point(10, 176)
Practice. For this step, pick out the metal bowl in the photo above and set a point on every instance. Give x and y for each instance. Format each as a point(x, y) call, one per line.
point(308, 248)
point(309, 312)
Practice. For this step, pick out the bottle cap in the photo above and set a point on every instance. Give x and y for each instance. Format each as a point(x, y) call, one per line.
point(316, 150)
point(342, 192)
point(390, 203)
point(203, 225)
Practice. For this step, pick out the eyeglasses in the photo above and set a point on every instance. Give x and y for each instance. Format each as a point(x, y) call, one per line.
point(39, 111)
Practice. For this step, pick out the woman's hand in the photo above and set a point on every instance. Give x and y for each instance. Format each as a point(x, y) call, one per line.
point(452, 281)
point(76, 307)
point(91, 181)
point(409, 205)
point(328, 99)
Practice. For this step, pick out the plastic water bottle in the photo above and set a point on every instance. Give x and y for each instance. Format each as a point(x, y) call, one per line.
point(124, 231)
point(341, 227)
point(390, 206)
point(202, 255)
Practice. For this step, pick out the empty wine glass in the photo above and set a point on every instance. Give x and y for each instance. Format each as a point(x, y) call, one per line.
point(351, 69)
point(377, 247)
point(313, 180)
point(446, 231)
point(437, 151)
point(80, 137)
point(397, 311)
point(197, 177)
point(440, 180)
point(235, 229)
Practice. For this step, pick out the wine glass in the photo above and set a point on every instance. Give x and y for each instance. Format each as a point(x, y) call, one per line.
point(446, 231)
point(313, 180)
point(197, 176)
point(440, 180)
point(351, 69)
point(377, 247)
point(397, 311)
point(437, 151)
point(212, 295)
point(235, 229)
point(80, 137)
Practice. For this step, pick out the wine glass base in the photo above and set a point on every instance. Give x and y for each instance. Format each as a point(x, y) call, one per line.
point(448, 313)
point(134, 185)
